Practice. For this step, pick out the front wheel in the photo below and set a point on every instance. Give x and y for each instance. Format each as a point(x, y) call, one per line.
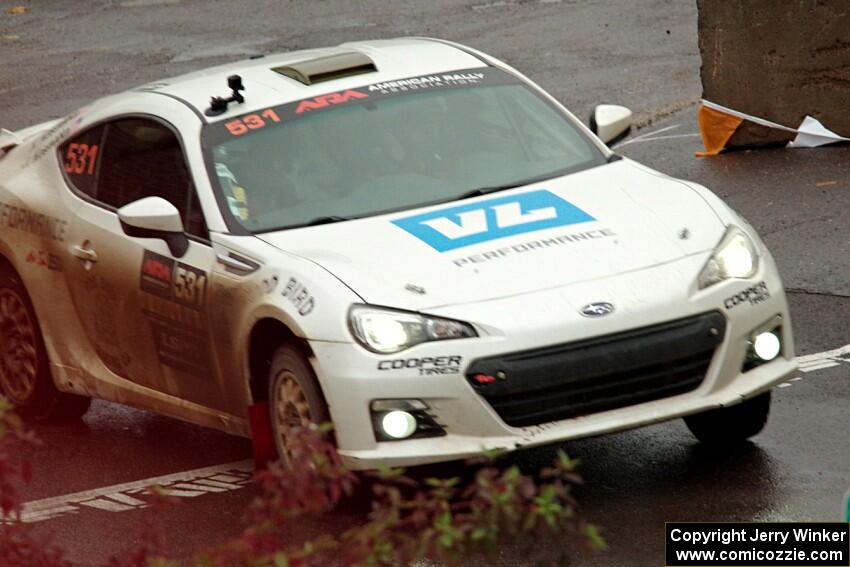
point(295, 398)
point(25, 377)
point(733, 424)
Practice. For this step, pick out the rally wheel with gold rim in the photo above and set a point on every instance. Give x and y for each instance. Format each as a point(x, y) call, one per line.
point(295, 399)
point(25, 377)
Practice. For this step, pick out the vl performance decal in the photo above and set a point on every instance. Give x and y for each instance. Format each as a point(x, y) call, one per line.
point(464, 225)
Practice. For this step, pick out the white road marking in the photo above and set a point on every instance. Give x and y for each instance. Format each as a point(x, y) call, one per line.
point(819, 366)
point(199, 487)
point(819, 361)
point(109, 505)
point(183, 493)
point(226, 478)
point(116, 498)
point(40, 516)
point(126, 499)
point(826, 359)
point(219, 484)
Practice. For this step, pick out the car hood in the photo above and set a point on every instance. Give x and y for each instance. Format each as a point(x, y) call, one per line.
point(607, 220)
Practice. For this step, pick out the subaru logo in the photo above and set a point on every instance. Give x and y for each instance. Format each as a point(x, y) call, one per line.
point(597, 309)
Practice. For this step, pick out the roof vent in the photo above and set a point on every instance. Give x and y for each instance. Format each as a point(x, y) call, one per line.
point(328, 68)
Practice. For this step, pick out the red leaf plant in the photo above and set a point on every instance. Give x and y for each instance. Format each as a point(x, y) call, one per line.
point(448, 521)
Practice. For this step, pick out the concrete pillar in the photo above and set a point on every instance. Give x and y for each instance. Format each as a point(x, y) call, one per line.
point(779, 60)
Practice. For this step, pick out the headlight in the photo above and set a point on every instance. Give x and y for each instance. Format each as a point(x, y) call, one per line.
point(387, 331)
point(735, 257)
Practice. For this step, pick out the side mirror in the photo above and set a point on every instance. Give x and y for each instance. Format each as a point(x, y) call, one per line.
point(610, 122)
point(154, 217)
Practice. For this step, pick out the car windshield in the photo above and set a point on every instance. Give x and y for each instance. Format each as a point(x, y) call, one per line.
point(387, 147)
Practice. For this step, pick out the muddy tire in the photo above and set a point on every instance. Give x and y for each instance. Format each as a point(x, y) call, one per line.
point(295, 398)
point(25, 377)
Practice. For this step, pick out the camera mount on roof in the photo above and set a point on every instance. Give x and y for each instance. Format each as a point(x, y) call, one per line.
point(218, 105)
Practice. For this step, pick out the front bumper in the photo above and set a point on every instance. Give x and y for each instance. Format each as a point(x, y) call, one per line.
point(437, 373)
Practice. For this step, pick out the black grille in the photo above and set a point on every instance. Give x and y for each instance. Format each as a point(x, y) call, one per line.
point(595, 375)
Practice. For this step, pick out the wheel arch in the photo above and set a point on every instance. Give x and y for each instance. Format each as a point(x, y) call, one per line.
point(6, 258)
point(47, 401)
point(266, 335)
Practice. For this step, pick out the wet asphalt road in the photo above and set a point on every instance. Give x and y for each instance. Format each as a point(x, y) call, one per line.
point(56, 57)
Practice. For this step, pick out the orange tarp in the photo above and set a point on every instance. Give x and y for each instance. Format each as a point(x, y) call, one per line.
point(716, 128)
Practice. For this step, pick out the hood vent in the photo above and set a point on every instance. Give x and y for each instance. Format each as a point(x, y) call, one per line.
point(328, 68)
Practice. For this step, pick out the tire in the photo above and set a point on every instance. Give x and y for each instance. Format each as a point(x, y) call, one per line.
point(733, 424)
point(25, 377)
point(295, 398)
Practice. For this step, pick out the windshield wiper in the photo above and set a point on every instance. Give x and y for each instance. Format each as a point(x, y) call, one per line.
point(313, 222)
point(487, 190)
point(324, 220)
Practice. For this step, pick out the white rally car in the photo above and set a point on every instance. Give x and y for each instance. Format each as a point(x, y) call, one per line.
point(406, 237)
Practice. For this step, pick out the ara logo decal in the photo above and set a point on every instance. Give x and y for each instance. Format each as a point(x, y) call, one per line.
point(156, 269)
point(328, 99)
point(447, 229)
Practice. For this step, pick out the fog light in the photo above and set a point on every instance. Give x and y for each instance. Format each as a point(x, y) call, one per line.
point(397, 420)
point(764, 344)
point(767, 346)
point(398, 424)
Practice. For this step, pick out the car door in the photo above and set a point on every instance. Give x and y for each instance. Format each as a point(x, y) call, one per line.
point(145, 311)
